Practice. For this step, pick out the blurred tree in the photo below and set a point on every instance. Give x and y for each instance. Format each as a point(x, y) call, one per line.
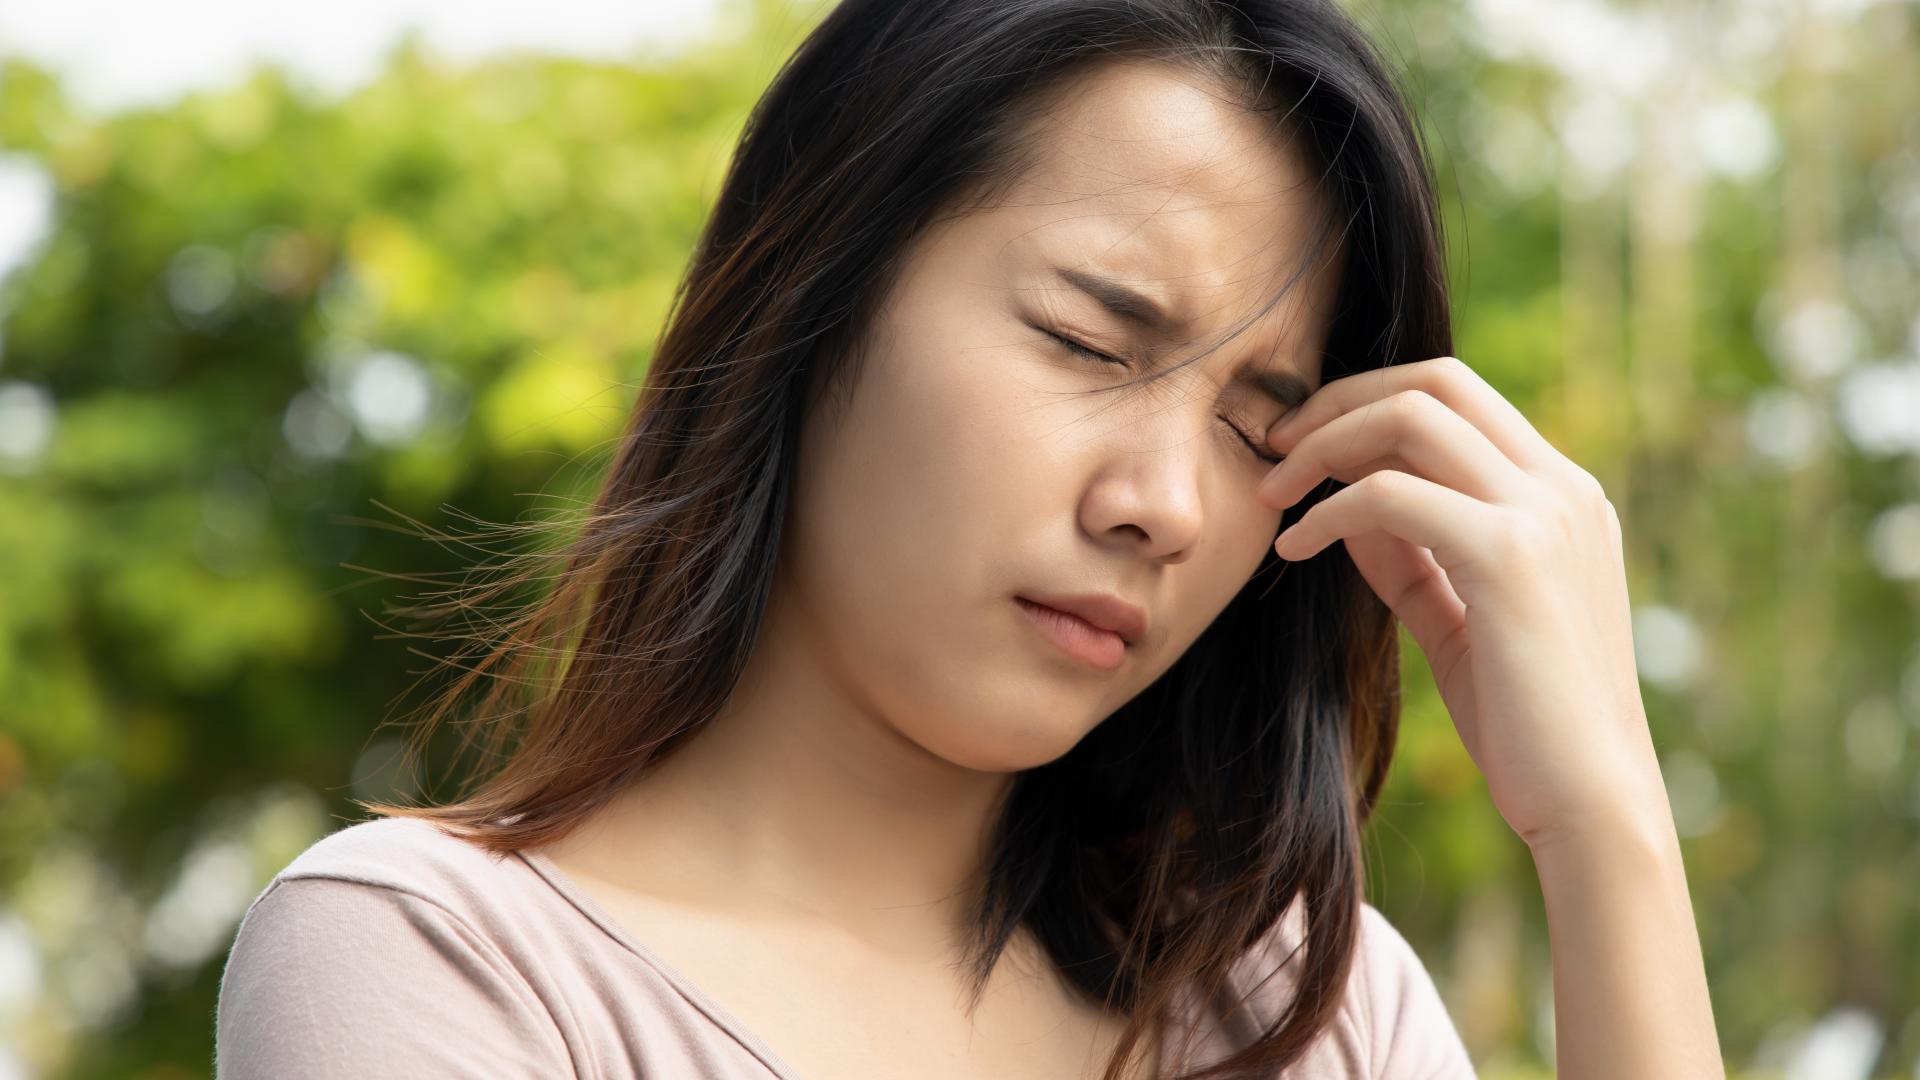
point(266, 335)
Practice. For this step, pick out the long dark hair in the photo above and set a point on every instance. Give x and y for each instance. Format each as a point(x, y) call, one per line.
point(1182, 829)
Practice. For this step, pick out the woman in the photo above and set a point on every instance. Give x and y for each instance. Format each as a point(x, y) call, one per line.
point(928, 694)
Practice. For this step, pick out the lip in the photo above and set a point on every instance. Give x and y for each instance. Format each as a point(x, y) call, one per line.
point(1075, 636)
point(1104, 610)
point(1101, 640)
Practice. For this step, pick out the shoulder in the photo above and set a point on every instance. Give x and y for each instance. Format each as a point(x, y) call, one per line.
point(392, 876)
point(1409, 1029)
point(372, 952)
point(1384, 960)
point(496, 893)
point(400, 853)
point(1392, 1022)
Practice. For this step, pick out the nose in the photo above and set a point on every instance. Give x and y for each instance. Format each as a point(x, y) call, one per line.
point(1147, 490)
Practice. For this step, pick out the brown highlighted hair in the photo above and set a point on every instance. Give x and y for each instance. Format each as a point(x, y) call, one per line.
point(1177, 833)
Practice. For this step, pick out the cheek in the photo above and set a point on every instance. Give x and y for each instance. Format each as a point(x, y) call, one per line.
point(937, 445)
point(1250, 530)
point(902, 528)
point(1241, 540)
point(1255, 528)
point(902, 500)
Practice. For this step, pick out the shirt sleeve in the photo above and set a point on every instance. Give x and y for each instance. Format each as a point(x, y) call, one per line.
point(1413, 1035)
point(335, 978)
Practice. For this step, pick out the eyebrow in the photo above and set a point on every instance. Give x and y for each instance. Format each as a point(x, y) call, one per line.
point(1141, 310)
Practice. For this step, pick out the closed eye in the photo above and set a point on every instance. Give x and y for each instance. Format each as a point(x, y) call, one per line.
point(1074, 346)
point(1095, 354)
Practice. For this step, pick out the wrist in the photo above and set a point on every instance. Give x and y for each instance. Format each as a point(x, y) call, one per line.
point(1621, 803)
point(1608, 852)
point(1615, 838)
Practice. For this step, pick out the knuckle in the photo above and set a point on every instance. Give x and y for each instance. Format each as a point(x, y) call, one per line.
point(1411, 404)
point(1383, 484)
point(1452, 369)
point(1520, 538)
point(1583, 502)
point(1587, 486)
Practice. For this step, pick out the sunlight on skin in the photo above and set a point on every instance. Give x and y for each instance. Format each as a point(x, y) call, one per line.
point(1504, 561)
point(897, 685)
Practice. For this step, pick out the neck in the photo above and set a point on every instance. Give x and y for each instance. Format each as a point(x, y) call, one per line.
point(800, 801)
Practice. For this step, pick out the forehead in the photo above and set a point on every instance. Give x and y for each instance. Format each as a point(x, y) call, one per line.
point(1152, 175)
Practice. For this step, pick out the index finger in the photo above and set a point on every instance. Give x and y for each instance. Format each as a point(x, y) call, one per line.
point(1447, 378)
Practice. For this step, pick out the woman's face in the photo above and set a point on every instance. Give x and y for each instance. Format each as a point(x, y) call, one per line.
point(979, 460)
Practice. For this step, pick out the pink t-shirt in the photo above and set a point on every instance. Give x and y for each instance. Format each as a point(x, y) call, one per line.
point(393, 949)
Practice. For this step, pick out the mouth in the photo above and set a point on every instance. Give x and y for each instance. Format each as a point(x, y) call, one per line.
point(1076, 636)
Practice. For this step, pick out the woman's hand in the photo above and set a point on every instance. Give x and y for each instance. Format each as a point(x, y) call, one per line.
point(1503, 559)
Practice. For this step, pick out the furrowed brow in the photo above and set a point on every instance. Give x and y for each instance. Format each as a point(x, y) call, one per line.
point(1125, 303)
point(1140, 310)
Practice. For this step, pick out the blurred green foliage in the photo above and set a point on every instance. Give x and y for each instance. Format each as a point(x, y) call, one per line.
point(265, 330)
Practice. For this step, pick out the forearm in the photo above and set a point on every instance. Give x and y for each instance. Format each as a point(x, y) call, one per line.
point(1629, 986)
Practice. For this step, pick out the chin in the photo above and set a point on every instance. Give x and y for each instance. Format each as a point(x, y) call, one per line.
point(1014, 743)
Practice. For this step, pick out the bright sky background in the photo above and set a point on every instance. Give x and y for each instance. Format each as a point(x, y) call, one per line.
point(112, 54)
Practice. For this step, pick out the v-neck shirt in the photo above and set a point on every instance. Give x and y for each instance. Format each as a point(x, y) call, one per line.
point(392, 948)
